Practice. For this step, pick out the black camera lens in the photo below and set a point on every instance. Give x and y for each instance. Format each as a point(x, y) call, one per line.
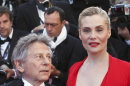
point(2, 76)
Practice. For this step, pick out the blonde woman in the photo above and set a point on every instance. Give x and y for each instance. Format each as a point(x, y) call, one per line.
point(99, 68)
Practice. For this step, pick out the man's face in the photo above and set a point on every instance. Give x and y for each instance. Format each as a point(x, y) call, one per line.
point(37, 65)
point(53, 24)
point(5, 25)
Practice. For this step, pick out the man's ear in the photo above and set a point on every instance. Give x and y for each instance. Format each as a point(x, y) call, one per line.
point(64, 22)
point(19, 65)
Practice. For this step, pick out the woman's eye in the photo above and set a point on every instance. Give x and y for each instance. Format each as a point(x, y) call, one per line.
point(86, 30)
point(99, 30)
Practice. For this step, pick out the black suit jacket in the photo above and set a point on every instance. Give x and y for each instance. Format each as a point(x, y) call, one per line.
point(67, 9)
point(27, 17)
point(65, 55)
point(16, 35)
point(79, 5)
point(118, 49)
point(73, 25)
point(18, 82)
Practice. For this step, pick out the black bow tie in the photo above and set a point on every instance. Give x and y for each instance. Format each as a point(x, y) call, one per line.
point(42, 6)
point(3, 41)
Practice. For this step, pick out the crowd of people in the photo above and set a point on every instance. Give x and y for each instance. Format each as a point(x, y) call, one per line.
point(63, 43)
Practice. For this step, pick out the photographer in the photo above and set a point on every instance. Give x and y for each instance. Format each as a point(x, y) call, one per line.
point(123, 29)
point(120, 29)
point(120, 18)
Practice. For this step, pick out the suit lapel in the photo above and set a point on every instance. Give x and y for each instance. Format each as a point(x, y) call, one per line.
point(47, 84)
point(13, 43)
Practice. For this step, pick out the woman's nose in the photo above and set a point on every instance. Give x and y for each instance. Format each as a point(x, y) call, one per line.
point(92, 35)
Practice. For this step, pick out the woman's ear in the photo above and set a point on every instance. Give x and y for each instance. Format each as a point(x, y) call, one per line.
point(19, 65)
point(109, 33)
point(80, 34)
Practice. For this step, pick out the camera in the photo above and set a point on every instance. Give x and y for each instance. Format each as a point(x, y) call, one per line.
point(2, 76)
point(3, 65)
point(120, 9)
point(122, 14)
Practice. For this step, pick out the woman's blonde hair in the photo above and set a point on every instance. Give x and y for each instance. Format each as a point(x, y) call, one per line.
point(94, 11)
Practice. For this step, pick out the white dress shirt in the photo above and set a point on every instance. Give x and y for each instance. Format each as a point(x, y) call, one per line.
point(4, 3)
point(71, 1)
point(26, 83)
point(4, 46)
point(127, 41)
point(41, 13)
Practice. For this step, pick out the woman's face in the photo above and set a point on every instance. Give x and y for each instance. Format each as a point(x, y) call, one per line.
point(94, 33)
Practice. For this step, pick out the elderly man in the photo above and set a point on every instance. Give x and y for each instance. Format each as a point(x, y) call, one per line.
point(32, 61)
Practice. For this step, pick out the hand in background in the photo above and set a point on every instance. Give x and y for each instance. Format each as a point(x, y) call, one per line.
point(9, 73)
point(54, 71)
point(40, 27)
point(124, 33)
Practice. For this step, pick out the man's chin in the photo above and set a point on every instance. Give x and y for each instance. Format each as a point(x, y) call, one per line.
point(45, 78)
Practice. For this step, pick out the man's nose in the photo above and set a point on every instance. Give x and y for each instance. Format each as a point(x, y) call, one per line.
point(49, 27)
point(46, 61)
point(1, 25)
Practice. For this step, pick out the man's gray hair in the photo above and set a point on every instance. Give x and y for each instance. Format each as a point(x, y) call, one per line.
point(90, 11)
point(20, 51)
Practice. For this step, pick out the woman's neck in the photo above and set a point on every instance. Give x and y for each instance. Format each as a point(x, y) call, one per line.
point(98, 58)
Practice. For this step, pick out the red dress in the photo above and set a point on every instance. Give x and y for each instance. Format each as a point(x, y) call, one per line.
point(118, 73)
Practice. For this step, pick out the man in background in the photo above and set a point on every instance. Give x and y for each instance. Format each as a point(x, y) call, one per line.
point(8, 39)
point(31, 14)
point(64, 45)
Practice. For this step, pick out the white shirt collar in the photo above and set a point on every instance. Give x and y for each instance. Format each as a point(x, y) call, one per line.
point(71, 1)
point(62, 36)
point(44, 1)
point(26, 83)
point(128, 42)
point(40, 12)
point(10, 35)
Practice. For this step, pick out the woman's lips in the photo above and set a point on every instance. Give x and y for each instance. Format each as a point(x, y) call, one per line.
point(93, 44)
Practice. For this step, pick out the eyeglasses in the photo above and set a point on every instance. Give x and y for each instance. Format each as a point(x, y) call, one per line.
point(52, 25)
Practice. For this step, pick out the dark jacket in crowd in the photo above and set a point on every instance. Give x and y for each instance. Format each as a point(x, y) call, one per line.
point(27, 17)
point(16, 35)
point(18, 82)
point(79, 5)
